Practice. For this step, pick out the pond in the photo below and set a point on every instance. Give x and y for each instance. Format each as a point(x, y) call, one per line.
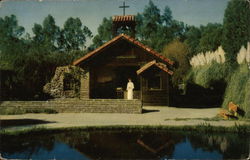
point(146, 144)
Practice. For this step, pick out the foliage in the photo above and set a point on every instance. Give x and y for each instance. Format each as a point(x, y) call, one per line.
point(207, 74)
point(193, 36)
point(151, 19)
point(10, 33)
point(244, 54)
point(235, 34)
point(210, 37)
point(208, 57)
point(156, 30)
point(74, 34)
point(238, 89)
point(203, 39)
point(177, 51)
point(27, 63)
point(201, 128)
point(236, 31)
point(35, 69)
point(104, 33)
point(11, 41)
point(46, 35)
point(152, 28)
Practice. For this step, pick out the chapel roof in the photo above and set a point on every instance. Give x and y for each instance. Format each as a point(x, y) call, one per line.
point(123, 18)
point(154, 63)
point(129, 39)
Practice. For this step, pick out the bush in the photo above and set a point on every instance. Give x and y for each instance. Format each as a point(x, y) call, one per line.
point(238, 89)
point(177, 52)
point(206, 75)
point(237, 80)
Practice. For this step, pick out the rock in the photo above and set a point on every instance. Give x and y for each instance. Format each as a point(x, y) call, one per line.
point(65, 83)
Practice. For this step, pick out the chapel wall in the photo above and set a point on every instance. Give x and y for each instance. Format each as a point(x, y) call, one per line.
point(156, 97)
point(85, 86)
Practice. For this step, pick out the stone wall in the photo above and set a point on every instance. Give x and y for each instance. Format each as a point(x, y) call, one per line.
point(65, 83)
point(76, 105)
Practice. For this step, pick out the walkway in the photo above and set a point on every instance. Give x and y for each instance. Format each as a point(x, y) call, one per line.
point(151, 116)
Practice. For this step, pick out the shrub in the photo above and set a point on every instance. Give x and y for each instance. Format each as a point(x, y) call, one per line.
point(238, 82)
point(238, 90)
point(208, 74)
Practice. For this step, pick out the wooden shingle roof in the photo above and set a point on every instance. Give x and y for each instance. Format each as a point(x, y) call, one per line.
point(129, 39)
point(123, 18)
point(154, 63)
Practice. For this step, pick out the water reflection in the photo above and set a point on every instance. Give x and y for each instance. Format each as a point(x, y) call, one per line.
point(124, 145)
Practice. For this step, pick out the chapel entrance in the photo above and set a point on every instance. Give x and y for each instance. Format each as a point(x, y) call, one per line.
point(111, 82)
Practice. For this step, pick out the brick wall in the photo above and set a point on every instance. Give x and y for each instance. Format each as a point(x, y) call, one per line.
point(76, 105)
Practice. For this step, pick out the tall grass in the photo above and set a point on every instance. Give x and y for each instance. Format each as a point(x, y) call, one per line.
point(207, 74)
point(238, 88)
point(206, 70)
point(244, 54)
point(208, 58)
point(238, 82)
point(218, 56)
point(201, 128)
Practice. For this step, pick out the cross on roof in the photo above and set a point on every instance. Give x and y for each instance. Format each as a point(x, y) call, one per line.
point(124, 6)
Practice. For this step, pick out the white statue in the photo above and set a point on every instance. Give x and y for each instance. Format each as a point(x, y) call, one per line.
point(130, 87)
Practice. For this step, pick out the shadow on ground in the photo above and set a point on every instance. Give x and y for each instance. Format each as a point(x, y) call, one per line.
point(150, 110)
point(199, 97)
point(21, 122)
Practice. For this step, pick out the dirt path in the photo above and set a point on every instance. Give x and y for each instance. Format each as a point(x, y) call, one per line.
point(151, 116)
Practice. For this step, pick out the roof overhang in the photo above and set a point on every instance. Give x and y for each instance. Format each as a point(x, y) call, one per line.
point(148, 65)
point(116, 39)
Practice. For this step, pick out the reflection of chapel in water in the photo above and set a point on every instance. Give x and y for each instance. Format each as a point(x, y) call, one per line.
point(109, 67)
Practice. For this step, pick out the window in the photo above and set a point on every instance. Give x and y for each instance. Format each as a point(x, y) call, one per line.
point(154, 82)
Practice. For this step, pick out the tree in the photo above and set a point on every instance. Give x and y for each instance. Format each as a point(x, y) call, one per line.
point(236, 30)
point(210, 37)
point(193, 36)
point(150, 22)
point(149, 29)
point(35, 69)
point(152, 28)
point(38, 34)
point(46, 35)
point(178, 30)
point(10, 35)
point(27, 63)
point(104, 33)
point(12, 47)
point(156, 30)
point(51, 32)
point(177, 51)
point(167, 17)
point(75, 34)
point(11, 41)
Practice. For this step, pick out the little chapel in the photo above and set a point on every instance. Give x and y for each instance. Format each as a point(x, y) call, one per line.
point(108, 68)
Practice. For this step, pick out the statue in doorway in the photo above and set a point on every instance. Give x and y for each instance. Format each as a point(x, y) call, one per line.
point(130, 87)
